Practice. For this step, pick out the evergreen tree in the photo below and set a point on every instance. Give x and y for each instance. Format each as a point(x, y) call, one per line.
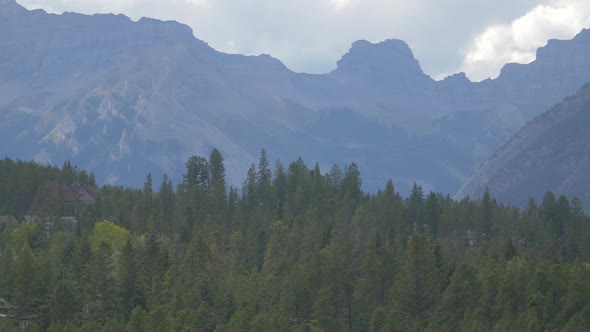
point(68, 173)
point(260, 250)
point(153, 263)
point(461, 296)
point(416, 289)
point(64, 302)
point(264, 179)
point(217, 180)
point(129, 292)
point(549, 211)
point(24, 282)
point(486, 213)
point(352, 183)
point(249, 191)
point(166, 202)
point(148, 186)
point(103, 303)
point(280, 188)
point(433, 214)
point(197, 174)
point(415, 203)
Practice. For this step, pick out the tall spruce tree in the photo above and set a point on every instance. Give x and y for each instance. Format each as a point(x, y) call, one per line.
point(217, 185)
point(264, 180)
point(416, 288)
point(486, 213)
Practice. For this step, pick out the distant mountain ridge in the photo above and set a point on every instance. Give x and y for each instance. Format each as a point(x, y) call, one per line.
point(124, 98)
point(550, 153)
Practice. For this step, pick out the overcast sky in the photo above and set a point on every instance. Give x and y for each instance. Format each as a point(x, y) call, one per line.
point(447, 36)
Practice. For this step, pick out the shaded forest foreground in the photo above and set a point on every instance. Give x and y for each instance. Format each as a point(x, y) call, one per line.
point(295, 249)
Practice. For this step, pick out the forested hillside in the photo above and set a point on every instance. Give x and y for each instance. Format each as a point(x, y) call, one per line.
point(295, 249)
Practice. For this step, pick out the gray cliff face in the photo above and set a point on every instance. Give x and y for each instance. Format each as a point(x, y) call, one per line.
point(390, 61)
point(550, 153)
point(559, 66)
point(41, 49)
point(126, 98)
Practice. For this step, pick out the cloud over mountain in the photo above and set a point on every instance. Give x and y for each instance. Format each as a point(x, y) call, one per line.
point(517, 41)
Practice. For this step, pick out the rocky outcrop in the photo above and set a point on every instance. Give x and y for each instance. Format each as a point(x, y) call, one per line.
point(559, 66)
point(388, 61)
point(550, 153)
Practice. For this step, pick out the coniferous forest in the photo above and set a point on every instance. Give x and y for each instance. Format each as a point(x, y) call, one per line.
point(294, 248)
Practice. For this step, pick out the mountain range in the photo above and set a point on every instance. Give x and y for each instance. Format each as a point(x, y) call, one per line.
point(124, 98)
point(550, 153)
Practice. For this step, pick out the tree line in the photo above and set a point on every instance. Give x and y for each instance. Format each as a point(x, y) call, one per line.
point(293, 249)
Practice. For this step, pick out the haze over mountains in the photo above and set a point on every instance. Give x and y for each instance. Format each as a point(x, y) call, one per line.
point(550, 153)
point(125, 98)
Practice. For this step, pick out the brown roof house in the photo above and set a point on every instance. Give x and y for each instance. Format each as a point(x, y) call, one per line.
point(56, 203)
point(87, 194)
point(54, 194)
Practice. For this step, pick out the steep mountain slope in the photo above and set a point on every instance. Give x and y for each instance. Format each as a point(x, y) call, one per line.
point(125, 98)
point(550, 153)
point(113, 94)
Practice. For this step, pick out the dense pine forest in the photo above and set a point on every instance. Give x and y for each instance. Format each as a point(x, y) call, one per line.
point(295, 248)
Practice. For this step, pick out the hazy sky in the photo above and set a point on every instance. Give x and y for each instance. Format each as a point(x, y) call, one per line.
point(447, 36)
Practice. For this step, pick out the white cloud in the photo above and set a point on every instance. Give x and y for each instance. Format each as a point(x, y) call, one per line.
point(340, 4)
point(231, 46)
point(203, 3)
point(518, 40)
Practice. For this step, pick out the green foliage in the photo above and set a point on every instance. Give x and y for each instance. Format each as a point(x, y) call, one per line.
point(25, 279)
point(297, 250)
point(461, 296)
point(137, 321)
point(105, 231)
point(416, 288)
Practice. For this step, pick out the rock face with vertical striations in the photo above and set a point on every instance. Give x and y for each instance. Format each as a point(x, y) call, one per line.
point(550, 153)
point(124, 98)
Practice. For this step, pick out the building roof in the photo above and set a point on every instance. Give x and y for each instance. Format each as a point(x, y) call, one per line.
point(87, 194)
point(74, 194)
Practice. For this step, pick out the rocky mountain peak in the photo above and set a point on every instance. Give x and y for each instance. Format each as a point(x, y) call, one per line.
point(556, 46)
point(166, 28)
point(459, 78)
point(391, 57)
point(552, 60)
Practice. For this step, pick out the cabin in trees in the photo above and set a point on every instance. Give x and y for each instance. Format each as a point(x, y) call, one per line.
point(58, 198)
point(74, 194)
point(87, 194)
point(56, 204)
